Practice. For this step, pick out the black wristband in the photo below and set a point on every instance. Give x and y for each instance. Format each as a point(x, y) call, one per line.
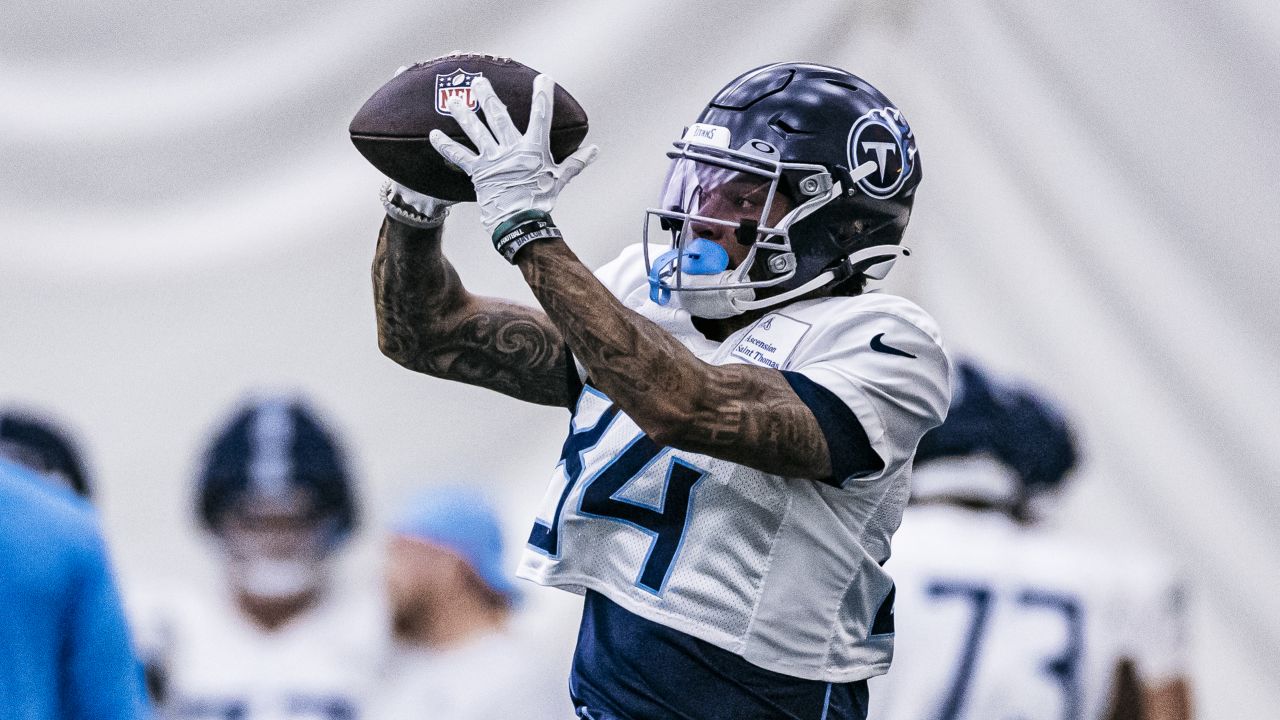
point(516, 220)
point(518, 239)
point(520, 230)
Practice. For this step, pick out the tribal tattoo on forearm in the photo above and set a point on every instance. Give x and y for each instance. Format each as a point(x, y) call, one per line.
point(740, 413)
point(429, 323)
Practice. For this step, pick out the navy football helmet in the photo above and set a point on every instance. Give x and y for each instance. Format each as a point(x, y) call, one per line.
point(268, 448)
point(276, 491)
point(825, 170)
point(1019, 429)
point(39, 443)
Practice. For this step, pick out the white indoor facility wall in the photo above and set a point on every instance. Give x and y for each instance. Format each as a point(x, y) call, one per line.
point(182, 219)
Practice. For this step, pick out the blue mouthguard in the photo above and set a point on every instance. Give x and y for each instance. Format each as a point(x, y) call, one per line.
point(700, 256)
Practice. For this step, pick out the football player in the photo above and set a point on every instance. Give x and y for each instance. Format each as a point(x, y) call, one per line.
point(743, 413)
point(276, 495)
point(465, 648)
point(67, 651)
point(999, 617)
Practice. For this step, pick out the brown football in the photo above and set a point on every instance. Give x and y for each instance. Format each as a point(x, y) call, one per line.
point(391, 129)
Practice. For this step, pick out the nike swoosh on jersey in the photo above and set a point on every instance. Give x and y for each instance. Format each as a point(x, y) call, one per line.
point(879, 346)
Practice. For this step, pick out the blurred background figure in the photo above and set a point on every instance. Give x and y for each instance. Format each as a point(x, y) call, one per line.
point(282, 642)
point(67, 652)
point(464, 648)
point(42, 445)
point(999, 616)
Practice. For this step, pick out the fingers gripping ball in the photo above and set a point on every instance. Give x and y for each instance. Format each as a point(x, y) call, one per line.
point(391, 130)
point(513, 172)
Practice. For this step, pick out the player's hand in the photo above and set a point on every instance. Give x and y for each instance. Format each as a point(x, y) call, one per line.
point(413, 208)
point(511, 172)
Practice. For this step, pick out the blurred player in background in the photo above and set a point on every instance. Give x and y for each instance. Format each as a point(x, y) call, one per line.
point(1000, 618)
point(277, 497)
point(743, 414)
point(42, 445)
point(67, 653)
point(464, 651)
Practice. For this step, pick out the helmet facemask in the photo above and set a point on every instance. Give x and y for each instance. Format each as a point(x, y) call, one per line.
point(706, 187)
point(278, 547)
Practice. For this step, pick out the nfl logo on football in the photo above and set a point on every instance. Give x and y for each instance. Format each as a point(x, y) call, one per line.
point(455, 84)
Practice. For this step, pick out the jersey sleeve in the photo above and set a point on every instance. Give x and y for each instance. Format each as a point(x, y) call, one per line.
point(847, 442)
point(885, 362)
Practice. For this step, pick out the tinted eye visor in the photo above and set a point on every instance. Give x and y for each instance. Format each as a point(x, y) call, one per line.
point(711, 190)
point(698, 170)
point(716, 187)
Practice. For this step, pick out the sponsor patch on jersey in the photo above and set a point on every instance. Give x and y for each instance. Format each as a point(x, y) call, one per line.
point(883, 137)
point(771, 341)
point(455, 84)
point(704, 134)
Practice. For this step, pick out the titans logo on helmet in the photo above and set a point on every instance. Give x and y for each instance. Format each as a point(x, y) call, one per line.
point(883, 137)
point(455, 84)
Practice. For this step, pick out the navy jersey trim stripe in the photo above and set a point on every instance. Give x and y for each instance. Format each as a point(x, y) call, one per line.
point(851, 451)
point(573, 383)
point(883, 623)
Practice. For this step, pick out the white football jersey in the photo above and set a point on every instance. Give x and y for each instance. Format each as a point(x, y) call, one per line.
point(218, 665)
point(782, 571)
point(998, 621)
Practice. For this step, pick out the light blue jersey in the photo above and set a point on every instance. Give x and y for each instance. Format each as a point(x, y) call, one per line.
point(67, 653)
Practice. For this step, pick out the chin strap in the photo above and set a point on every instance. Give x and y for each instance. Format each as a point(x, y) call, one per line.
point(705, 259)
point(876, 272)
point(822, 279)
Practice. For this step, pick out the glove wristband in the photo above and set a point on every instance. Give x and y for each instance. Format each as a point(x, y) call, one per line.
point(406, 213)
point(520, 230)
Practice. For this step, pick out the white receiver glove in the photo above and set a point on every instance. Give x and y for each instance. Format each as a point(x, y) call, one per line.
point(511, 172)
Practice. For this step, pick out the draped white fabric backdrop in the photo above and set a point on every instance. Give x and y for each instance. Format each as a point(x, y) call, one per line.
point(183, 218)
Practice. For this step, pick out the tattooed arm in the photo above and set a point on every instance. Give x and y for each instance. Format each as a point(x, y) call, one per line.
point(428, 322)
point(741, 413)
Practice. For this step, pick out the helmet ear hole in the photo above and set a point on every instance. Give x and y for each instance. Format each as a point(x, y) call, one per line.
point(850, 235)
